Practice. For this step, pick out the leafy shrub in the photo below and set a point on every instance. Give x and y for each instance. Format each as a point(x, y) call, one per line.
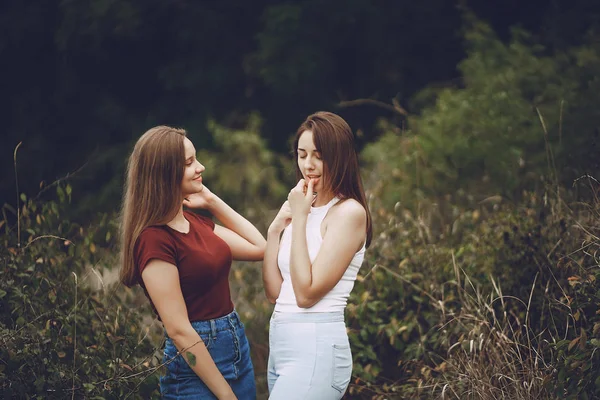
point(500, 292)
point(243, 171)
point(60, 337)
point(576, 344)
point(521, 114)
point(477, 239)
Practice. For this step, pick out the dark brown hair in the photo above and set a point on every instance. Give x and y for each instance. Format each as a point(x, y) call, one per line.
point(152, 194)
point(334, 139)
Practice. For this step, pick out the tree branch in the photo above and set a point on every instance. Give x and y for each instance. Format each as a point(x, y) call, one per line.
point(394, 107)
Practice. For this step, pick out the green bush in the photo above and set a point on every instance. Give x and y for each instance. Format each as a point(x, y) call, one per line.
point(521, 114)
point(576, 344)
point(432, 309)
point(243, 171)
point(60, 336)
point(478, 239)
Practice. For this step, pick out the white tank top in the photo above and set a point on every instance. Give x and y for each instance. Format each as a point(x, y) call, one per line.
point(337, 297)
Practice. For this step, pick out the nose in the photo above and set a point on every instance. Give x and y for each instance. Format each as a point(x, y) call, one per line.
point(308, 163)
point(199, 167)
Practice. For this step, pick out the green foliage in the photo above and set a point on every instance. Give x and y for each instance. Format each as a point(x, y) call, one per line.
point(191, 358)
point(61, 337)
point(576, 352)
point(459, 269)
point(243, 170)
point(406, 312)
point(520, 116)
point(448, 285)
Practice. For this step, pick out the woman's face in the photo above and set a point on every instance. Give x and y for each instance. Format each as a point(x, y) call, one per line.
point(192, 173)
point(309, 160)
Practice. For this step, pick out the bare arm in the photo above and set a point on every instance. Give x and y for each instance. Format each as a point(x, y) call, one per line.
point(245, 241)
point(344, 236)
point(272, 279)
point(162, 283)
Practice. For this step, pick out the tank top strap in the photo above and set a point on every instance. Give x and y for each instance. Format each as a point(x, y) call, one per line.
point(322, 210)
point(332, 203)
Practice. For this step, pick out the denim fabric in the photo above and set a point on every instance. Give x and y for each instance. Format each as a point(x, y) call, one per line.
point(226, 342)
point(309, 356)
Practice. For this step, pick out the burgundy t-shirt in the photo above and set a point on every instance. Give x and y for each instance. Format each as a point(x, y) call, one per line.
point(202, 258)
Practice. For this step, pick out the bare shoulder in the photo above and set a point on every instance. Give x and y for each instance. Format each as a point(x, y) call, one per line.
point(350, 210)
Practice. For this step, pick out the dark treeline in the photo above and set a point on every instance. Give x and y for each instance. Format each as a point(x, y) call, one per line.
point(81, 80)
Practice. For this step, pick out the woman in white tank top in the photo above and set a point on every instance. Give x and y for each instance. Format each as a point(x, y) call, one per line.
point(309, 271)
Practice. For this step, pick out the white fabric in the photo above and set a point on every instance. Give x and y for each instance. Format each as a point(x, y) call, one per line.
point(337, 298)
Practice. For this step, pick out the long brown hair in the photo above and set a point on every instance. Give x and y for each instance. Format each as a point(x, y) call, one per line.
point(152, 193)
point(333, 138)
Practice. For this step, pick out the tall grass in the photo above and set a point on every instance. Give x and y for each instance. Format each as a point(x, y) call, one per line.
point(499, 303)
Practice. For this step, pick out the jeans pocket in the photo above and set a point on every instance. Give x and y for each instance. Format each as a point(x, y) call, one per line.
point(341, 367)
point(208, 340)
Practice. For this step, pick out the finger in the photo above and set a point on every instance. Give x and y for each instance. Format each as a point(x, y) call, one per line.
point(309, 189)
point(300, 185)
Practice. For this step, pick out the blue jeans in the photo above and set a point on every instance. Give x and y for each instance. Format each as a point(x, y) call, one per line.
point(226, 342)
point(309, 356)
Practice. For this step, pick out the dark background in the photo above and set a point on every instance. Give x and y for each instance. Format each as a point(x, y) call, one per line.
point(80, 81)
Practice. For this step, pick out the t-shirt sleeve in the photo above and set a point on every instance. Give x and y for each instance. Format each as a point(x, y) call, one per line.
point(153, 243)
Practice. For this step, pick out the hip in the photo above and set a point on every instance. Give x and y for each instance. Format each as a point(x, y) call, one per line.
point(226, 342)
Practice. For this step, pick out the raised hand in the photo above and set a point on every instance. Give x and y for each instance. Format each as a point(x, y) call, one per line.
point(301, 198)
point(201, 199)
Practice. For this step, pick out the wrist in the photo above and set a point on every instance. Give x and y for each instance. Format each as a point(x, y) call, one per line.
point(212, 202)
point(224, 391)
point(274, 230)
point(227, 395)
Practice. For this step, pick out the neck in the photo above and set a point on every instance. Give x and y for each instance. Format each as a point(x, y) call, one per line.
point(178, 219)
point(322, 199)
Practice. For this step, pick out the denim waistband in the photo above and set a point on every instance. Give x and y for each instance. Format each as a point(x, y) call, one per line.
point(315, 317)
point(212, 326)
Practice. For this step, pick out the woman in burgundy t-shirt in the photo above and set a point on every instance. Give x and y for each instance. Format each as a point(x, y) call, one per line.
point(202, 258)
point(182, 261)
